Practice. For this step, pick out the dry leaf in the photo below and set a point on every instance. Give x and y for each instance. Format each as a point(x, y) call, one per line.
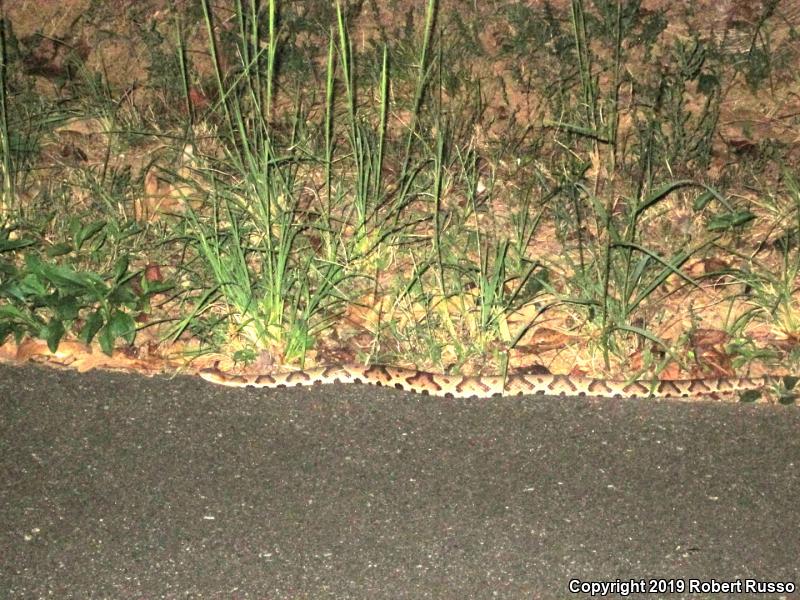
point(544, 339)
point(713, 363)
point(152, 273)
point(706, 338)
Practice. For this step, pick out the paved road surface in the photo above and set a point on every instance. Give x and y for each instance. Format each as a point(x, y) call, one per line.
point(117, 486)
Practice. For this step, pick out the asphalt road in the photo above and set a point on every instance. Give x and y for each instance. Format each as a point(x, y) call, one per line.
point(117, 486)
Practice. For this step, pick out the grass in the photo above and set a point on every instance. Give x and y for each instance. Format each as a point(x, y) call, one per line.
point(375, 203)
point(7, 203)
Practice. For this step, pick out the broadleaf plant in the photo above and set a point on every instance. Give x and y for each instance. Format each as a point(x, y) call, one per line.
point(46, 301)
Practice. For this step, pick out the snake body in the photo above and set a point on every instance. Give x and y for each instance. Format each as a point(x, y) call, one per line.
point(458, 386)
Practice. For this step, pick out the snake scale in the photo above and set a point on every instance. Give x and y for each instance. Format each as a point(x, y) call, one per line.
point(458, 386)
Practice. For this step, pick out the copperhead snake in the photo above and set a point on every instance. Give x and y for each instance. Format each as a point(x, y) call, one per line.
point(458, 386)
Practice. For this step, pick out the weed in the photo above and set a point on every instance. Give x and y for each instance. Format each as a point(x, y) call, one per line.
point(450, 200)
point(46, 300)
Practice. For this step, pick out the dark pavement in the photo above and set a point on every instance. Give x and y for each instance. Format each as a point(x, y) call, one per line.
point(116, 486)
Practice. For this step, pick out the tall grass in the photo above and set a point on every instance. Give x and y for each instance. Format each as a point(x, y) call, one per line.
point(249, 239)
point(275, 286)
point(7, 194)
point(617, 274)
point(377, 196)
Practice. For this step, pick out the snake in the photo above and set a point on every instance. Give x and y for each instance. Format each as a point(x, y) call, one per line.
point(464, 386)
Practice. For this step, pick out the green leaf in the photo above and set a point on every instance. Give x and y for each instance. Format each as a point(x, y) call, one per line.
point(730, 220)
point(59, 249)
point(11, 313)
point(122, 325)
point(106, 340)
point(93, 324)
point(71, 281)
point(32, 262)
point(61, 277)
point(87, 232)
point(151, 289)
point(533, 284)
point(578, 129)
point(9, 245)
point(122, 295)
point(244, 356)
point(53, 332)
point(661, 193)
point(749, 396)
point(702, 200)
point(12, 290)
point(120, 268)
point(51, 300)
point(66, 308)
point(8, 269)
point(32, 285)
